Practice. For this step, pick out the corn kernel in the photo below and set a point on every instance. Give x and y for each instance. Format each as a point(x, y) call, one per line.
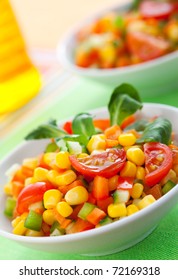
point(147, 200)
point(131, 209)
point(64, 209)
point(129, 170)
point(19, 229)
point(48, 217)
point(8, 189)
point(140, 174)
point(65, 178)
point(76, 195)
point(29, 180)
point(137, 190)
point(51, 176)
point(117, 210)
point(15, 221)
point(31, 163)
point(34, 233)
point(49, 159)
point(136, 155)
point(82, 155)
point(113, 182)
point(62, 160)
point(40, 174)
point(97, 142)
point(51, 198)
point(127, 139)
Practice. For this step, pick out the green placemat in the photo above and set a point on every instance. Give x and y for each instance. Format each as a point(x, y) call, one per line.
point(82, 96)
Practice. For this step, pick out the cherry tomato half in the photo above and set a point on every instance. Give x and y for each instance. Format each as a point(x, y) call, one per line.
point(157, 10)
point(145, 46)
point(31, 194)
point(106, 164)
point(158, 162)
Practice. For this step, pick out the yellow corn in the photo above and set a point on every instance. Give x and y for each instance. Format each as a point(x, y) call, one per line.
point(34, 233)
point(140, 174)
point(40, 174)
point(127, 139)
point(147, 200)
point(117, 210)
point(76, 195)
point(136, 155)
point(137, 190)
point(49, 159)
point(19, 229)
point(51, 176)
point(29, 180)
point(8, 189)
point(82, 155)
point(31, 163)
point(64, 209)
point(51, 198)
point(129, 169)
point(131, 209)
point(65, 178)
point(62, 160)
point(97, 142)
point(108, 53)
point(113, 183)
point(48, 217)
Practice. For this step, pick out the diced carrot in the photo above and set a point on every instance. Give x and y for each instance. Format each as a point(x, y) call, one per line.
point(16, 188)
point(110, 143)
point(127, 121)
point(79, 226)
point(96, 216)
point(66, 188)
point(113, 132)
point(155, 191)
point(104, 203)
point(134, 132)
point(100, 188)
point(28, 172)
point(75, 212)
point(42, 163)
point(65, 223)
point(58, 217)
point(101, 123)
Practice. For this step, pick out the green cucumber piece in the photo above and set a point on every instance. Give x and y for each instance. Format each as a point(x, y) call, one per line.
point(33, 221)
point(86, 210)
point(168, 186)
point(9, 206)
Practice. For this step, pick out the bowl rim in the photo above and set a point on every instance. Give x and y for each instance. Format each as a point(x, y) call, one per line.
point(96, 231)
point(63, 58)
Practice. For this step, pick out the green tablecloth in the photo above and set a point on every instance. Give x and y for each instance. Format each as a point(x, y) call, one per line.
point(60, 102)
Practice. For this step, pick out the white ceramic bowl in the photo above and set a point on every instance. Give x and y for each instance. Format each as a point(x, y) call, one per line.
point(105, 240)
point(154, 76)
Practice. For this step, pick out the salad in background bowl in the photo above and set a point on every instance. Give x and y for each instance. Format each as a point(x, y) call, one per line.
point(135, 42)
point(95, 184)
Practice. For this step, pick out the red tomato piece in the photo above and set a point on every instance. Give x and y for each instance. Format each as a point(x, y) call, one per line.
point(68, 127)
point(158, 162)
point(106, 164)
point(125, 183)
point(145, 46)
point(31, 194)
point(155, 9)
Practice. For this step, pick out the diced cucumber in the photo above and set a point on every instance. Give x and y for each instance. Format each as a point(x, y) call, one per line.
point(120, 196)
point(56, 230)
point(105, 221)
point(9, 206)
point(168, 186)
point(86, 210)
point(74, 148)
point(62, 145)
point(33, 221)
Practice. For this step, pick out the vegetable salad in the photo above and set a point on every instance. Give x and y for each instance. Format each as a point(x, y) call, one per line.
point(93, 172)
point(148, 30)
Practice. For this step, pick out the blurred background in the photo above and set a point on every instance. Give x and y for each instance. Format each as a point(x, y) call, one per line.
point(43, 22)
